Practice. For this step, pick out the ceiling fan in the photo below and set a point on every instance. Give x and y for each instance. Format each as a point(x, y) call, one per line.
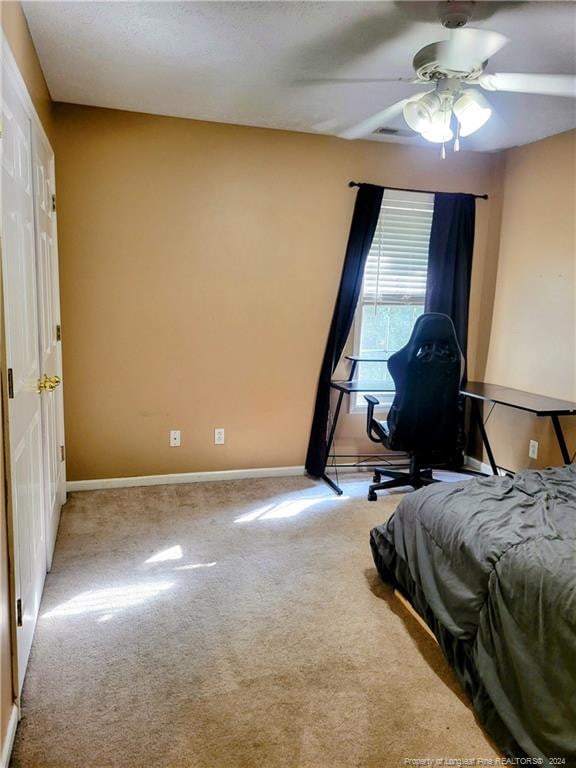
point(453, 69)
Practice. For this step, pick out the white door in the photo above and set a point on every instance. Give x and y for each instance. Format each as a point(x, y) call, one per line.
point(49, 337)
point(23, 362)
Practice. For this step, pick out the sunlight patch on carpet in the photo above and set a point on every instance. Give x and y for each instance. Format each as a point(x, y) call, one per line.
point(286, 508)
point(193, 566)
point(172, 553)
point(112, 598)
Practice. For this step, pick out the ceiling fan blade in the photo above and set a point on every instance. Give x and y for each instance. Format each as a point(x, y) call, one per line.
point(354, 80)
point(547, 85)
point(468, 47)
point(368, 126)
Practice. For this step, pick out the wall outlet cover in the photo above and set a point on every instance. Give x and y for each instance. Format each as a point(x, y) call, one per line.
point(219, 436)
point(533, 449)
point(174, 438)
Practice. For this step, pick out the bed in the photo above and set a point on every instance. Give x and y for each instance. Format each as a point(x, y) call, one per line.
point(490, 565)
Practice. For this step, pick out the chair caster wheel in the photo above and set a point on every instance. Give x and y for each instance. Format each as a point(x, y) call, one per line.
point(372, 496)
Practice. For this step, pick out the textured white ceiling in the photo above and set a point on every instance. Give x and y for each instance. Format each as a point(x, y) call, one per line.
point(244, 62)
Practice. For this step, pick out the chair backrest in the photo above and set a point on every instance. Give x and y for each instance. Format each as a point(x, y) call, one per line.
point(424, 416)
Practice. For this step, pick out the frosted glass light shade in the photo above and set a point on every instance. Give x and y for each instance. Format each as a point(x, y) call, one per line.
point(419, 112)
point(472, 111)
point(439, 130)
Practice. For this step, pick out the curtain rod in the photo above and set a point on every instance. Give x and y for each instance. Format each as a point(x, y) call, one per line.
point(424, 191)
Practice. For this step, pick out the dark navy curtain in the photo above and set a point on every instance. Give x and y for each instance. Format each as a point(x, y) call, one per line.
point(449, 274)
point(364, 221)
point(450, 260)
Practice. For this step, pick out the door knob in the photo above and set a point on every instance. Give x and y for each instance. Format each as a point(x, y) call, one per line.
point(48, 383)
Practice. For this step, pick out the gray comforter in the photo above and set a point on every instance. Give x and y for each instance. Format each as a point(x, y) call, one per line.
point(491, 564)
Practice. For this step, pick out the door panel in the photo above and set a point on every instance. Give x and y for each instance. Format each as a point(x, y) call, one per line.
point(27, 475)
point(22, 352)
point(50, 357)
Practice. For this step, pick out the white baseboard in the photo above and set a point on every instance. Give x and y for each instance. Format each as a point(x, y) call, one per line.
point(480, 466)
point(9, 740)
point(183, 477)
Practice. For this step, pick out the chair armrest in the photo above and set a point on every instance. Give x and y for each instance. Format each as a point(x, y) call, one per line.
point(372, 403)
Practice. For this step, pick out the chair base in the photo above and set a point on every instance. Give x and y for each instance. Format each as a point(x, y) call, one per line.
point(416, 477)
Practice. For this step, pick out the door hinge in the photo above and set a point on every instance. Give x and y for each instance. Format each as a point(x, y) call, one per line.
point(62, 453)
point(58, 333)
point(19, 612)
point(53, 202)
point(10, 383)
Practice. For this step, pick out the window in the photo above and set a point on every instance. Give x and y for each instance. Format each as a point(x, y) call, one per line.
point(394, 284)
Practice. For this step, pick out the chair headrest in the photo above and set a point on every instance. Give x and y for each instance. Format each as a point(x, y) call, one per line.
point(433, 327)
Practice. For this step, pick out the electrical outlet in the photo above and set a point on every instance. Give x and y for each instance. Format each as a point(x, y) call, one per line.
point(219, 436)
point(533, 449)
point(174, 438)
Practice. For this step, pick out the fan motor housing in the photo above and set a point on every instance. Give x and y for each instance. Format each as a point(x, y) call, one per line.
point(455, 13)
point(428, 68)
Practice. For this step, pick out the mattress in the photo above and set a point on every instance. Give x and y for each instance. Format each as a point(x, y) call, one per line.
point(490, 564)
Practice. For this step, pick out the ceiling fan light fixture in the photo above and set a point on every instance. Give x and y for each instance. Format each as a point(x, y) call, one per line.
point(419, 112)
point(438, 136)
point(472, 112)
point(439, 131)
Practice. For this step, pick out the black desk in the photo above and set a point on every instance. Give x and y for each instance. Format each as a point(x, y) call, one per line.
point(539, 405)
point(350, 386)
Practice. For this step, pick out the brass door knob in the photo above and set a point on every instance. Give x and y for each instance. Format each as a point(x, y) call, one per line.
point(48, 383)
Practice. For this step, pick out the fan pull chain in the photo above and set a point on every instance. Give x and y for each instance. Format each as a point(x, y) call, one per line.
point(457, 141)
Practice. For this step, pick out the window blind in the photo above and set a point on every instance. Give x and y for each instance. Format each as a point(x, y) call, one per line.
point(397, 263)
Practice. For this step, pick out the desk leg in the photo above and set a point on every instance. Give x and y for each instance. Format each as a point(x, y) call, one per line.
point(333, 426)
point(332, 484)
point(334, 423)
point(560, 437)
point(478, 417)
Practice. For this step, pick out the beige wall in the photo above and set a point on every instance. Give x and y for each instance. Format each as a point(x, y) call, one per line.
point(533, 338)
point(199, 267)
point(16, 31)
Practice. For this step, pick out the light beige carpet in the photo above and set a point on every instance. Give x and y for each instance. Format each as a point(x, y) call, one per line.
point(232, 625)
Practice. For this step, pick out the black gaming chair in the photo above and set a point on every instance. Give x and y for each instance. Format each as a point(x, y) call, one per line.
point(424, 418)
